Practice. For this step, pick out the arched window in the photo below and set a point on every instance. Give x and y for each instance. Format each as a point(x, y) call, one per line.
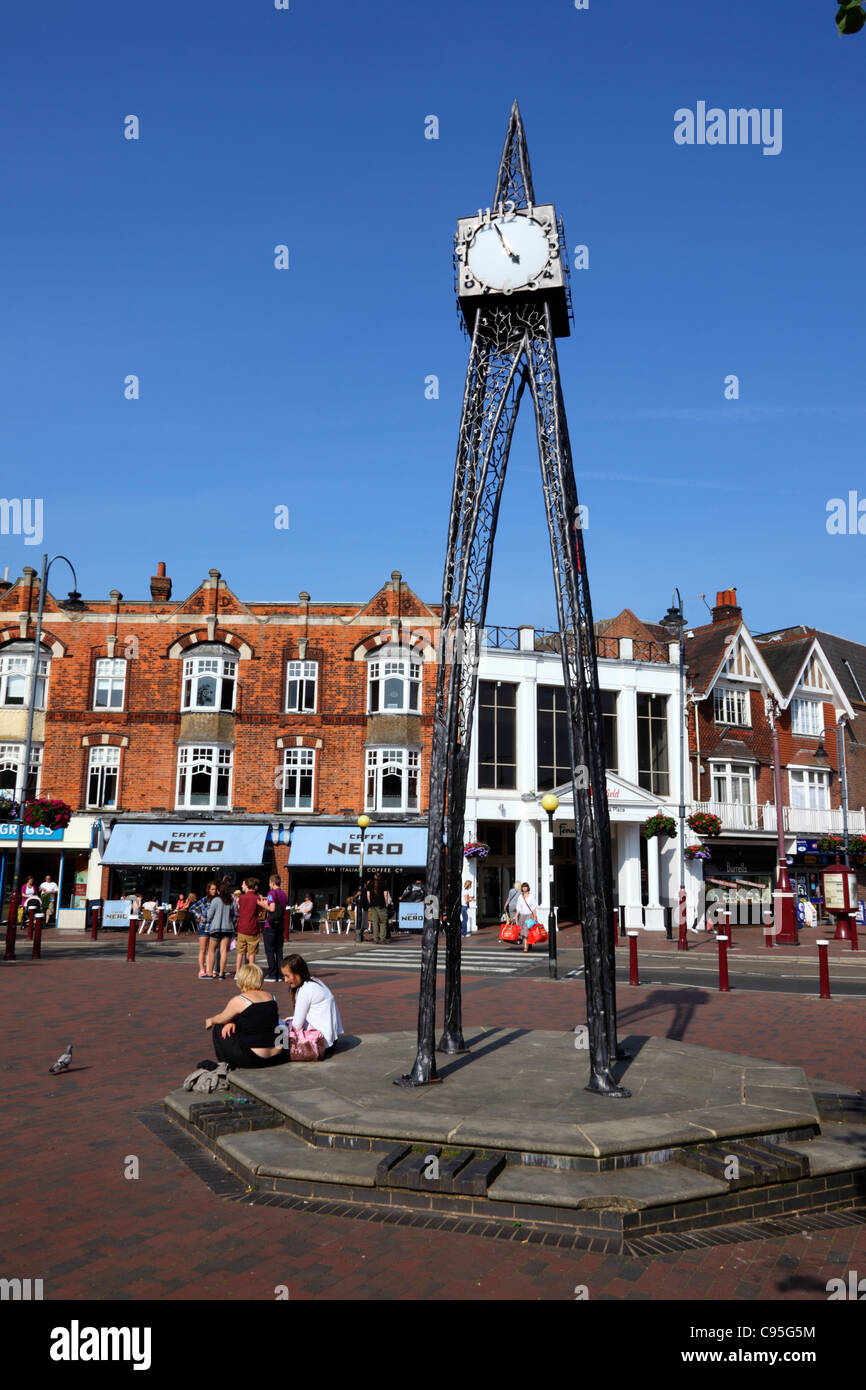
point(11, 763)
point(393, 682)
point(16, 668)
point(209, 678)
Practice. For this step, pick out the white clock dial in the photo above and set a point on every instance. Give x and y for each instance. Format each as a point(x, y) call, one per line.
point(508, 252)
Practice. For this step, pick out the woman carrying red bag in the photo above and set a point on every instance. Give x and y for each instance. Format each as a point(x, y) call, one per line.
point(527, 910)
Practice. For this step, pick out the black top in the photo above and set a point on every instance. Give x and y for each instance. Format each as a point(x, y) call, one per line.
point(256, 1025)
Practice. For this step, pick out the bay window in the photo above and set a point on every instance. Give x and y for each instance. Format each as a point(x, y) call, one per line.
point(392, 779)
point(16, 669)
point(11, 763)
point(393, 685)
point(810, 789)
point(209, 680)
point(204, 777)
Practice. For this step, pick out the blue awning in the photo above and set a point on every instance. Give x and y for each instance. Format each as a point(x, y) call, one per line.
point(339, 846)
point(186, 846)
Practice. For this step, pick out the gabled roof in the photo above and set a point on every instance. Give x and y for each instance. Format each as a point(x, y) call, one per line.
point(787, 654)
point(839, 651)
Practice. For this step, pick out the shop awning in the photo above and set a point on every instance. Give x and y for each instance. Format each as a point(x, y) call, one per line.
point(186, 846)
point(339, 846)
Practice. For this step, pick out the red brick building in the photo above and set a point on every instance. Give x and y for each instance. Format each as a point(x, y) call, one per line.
point(207, 709)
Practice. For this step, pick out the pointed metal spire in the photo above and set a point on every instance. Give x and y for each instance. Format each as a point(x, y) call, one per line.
point(514, 180)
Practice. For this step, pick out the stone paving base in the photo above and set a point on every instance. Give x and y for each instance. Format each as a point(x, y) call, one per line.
point(548, 1155)
point(231, 1187)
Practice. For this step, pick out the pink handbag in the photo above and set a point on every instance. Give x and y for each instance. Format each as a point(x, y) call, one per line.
point(306, 1044)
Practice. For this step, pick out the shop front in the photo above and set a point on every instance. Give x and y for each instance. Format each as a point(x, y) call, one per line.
point(161, 860)
point(739, 879)
point(63, 856)
point(325, 861)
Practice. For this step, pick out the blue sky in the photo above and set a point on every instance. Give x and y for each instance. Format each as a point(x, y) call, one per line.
point(305, 387)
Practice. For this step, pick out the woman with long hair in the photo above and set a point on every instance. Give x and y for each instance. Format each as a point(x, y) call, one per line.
point(314, 1010)
point(220, 916)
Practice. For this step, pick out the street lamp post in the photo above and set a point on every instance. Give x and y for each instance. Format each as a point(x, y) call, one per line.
point(74, 603)
point(783, 917)
point(363, 822)
point(550, 803)
point(842, 928)
point(821, 757)
point(675, 615)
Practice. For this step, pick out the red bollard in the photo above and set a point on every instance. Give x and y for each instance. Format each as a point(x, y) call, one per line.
point(11, 927)
point(769, 923)
point(94, 924)
point(632, 958)
point(855, 944)
point(823, 970)
point(682, 919)
point(31, 913)
point(724, 987)
point(130, 944)
point(37, 936)
point(160, 923)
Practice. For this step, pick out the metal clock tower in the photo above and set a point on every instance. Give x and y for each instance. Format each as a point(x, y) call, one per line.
point(512, 290)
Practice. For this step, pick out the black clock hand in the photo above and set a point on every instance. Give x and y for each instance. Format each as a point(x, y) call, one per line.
point(508, 249)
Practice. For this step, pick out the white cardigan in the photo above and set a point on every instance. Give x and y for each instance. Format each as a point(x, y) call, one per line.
point(316, 1007)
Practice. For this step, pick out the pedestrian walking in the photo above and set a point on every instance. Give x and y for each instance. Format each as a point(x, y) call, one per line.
point(48, 891)
point(276, 904)
point(220, 918)
point(378, 902)
point(466, 902)
point(199, 915)
point(249, 937)
point(509, 910)
point(527, 911)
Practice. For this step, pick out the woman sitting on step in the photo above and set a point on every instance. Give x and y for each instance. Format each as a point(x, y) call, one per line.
point(244, 1034)
point(316, 1024)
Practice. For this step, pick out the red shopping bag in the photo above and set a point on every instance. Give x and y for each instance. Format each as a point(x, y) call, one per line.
point(509, 932)
point(536, 934)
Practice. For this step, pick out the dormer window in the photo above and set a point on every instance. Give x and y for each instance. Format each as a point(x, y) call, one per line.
point(16, 668)
point(807, 717)
point(732, 707)
point(209, 679)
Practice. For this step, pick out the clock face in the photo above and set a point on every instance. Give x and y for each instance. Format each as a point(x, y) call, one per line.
point(508, 252)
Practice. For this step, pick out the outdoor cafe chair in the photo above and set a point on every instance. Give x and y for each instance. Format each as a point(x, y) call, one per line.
point(334, 918)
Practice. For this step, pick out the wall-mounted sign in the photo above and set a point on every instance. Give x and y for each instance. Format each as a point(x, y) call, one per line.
point(189, 846)
point(9, 831)
point(321, 845)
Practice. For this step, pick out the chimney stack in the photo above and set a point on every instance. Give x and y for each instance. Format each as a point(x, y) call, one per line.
point(160, 585)
point(726, 607)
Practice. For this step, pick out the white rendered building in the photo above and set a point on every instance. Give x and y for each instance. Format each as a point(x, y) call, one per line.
point(520, 752)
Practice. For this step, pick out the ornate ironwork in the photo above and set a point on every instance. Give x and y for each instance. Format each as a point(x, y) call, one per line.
point(512, 346)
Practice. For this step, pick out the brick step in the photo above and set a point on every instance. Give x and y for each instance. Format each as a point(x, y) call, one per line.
point(619, 1189)
point(758, 1163)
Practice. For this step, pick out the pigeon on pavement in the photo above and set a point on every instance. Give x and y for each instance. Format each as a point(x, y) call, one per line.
point(62, 1063)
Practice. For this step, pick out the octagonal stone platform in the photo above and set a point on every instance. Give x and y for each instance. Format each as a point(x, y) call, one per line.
point(518, 1138)
point(523, 1090)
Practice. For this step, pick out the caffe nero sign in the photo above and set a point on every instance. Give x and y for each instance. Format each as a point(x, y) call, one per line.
point(337, 845)
point(188, 845)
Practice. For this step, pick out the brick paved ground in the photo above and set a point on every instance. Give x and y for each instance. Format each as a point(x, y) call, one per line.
point(70, 1217)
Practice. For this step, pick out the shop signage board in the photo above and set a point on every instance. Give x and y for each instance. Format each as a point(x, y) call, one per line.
point(314, 846)
point(411, 917)
point(186, 846)
point(116, 913)
point(9, 831)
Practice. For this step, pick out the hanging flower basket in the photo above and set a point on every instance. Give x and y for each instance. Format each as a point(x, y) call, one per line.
point(476, 850)
point(660, 825)
point(835, 844)
point(54, 815)
point(8, 809)
point(703, 823)
point(697, 852)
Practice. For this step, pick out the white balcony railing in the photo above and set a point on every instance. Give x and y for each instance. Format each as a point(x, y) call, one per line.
point(750, 816)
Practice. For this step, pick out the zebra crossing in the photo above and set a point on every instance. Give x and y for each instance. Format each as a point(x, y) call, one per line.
point(405, 955)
